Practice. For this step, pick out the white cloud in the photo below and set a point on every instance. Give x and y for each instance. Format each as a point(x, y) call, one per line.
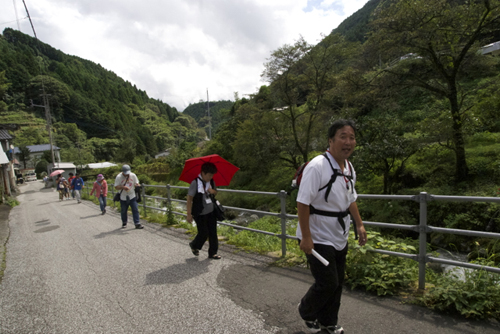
point(175, 50)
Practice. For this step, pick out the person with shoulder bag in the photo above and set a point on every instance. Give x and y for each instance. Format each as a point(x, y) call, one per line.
point(200, 207)
point(126, 182)
point(61, 184)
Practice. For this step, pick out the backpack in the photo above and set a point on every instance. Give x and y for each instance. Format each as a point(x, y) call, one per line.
point(297, 179)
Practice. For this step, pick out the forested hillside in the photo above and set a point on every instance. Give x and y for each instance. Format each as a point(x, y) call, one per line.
point(96, 114)
point(355, 28)
point(219, 113)
point(424, 97)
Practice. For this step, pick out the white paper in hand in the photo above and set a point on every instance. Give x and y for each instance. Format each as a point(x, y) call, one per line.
point(320, 258)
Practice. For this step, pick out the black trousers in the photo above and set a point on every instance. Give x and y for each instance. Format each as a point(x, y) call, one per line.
point(322, 300)
point(207, 228)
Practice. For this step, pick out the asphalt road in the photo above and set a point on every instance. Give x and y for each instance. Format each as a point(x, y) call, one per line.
point(71, 270)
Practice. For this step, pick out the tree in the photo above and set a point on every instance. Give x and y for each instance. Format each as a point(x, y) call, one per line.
point(4, 85)
point(282, 71)
point(302, 80)
point(433, 45)
point(58, 91)
point(24, 154)
point(384, 150)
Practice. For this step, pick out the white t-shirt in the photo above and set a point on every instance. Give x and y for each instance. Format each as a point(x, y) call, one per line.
point(326, 230)
point(131, 182)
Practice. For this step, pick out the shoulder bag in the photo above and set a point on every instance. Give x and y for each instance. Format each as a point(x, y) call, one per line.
point(117, 195)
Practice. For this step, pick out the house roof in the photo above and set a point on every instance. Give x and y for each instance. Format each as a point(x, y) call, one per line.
point(37, 148)
point(63, 165)
point(101, 165)
point(4, 135)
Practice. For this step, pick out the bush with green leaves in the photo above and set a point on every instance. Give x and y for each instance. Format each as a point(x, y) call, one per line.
point(11, 201)
point(377, 272)
point(477, 295)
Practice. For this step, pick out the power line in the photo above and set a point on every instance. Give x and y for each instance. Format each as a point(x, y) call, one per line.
point(27, 12)
point(17, 17)
point(5, 23)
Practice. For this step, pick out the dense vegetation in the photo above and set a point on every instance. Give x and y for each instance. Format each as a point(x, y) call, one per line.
point(219, 113)
point(96, 115)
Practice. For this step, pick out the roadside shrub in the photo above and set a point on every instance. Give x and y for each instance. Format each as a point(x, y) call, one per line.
point(263, 243)
point(11, 201)
point(476, 296)
point(380, 273)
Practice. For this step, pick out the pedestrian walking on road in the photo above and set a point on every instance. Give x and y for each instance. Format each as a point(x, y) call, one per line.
point(201, 208)
point(324, 226)
point(100, 189)
point(77, 185)
point(126, 182)
point(70, 180)
point(61, 185)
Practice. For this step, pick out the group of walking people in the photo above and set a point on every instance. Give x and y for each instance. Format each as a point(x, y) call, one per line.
point(70, 187)
point(126, 182)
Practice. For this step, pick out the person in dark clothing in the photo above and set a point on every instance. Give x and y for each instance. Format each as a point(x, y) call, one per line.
point(201, 208)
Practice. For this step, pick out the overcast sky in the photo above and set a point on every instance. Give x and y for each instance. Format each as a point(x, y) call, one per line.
point(177, 49)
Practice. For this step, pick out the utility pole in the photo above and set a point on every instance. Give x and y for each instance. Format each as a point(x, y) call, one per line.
point(49, 125)
point(209, 119)
point(46, 106)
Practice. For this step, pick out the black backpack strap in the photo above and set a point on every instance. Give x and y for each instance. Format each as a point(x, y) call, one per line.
point(332, 180)
point(340, 215)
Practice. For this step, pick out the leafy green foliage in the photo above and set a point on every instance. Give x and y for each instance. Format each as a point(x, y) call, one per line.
point(259, 242)
point(219, 112)
point(377, 272)
point(12, 202)
point(477, 295)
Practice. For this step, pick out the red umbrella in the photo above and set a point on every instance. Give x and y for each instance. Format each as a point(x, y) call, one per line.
point(56, 172)
point(225, 169)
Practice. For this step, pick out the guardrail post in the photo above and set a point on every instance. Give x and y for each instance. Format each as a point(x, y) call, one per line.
point(143, 191)
point(169, 200)
point(282, 196)
point(422, 240)
point(113, 196)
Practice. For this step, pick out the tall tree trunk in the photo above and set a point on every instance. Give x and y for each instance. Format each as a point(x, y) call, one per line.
point(461, 169)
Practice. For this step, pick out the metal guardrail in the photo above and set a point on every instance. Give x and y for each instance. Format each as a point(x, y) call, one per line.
point(423, 198)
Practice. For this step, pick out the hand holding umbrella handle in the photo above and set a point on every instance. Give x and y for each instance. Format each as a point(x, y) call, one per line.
point(320, 258)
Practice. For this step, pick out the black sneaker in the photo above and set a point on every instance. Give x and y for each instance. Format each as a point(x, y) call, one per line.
point(139, 226)
point(194, 250)
point(333, 329)
point(124, 225)
point(312, 326)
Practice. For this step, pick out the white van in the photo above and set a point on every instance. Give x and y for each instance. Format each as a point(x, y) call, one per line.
point(30, 176)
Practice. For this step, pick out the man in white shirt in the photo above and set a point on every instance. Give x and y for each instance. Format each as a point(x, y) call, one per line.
point(323, 209)
point(126, 182)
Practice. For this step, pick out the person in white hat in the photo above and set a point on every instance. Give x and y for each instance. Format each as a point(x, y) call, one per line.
point(126, 182)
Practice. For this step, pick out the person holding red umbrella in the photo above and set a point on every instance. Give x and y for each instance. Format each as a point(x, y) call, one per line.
point(201, 208)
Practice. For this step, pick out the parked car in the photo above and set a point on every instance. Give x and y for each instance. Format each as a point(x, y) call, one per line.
point(30, 176)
